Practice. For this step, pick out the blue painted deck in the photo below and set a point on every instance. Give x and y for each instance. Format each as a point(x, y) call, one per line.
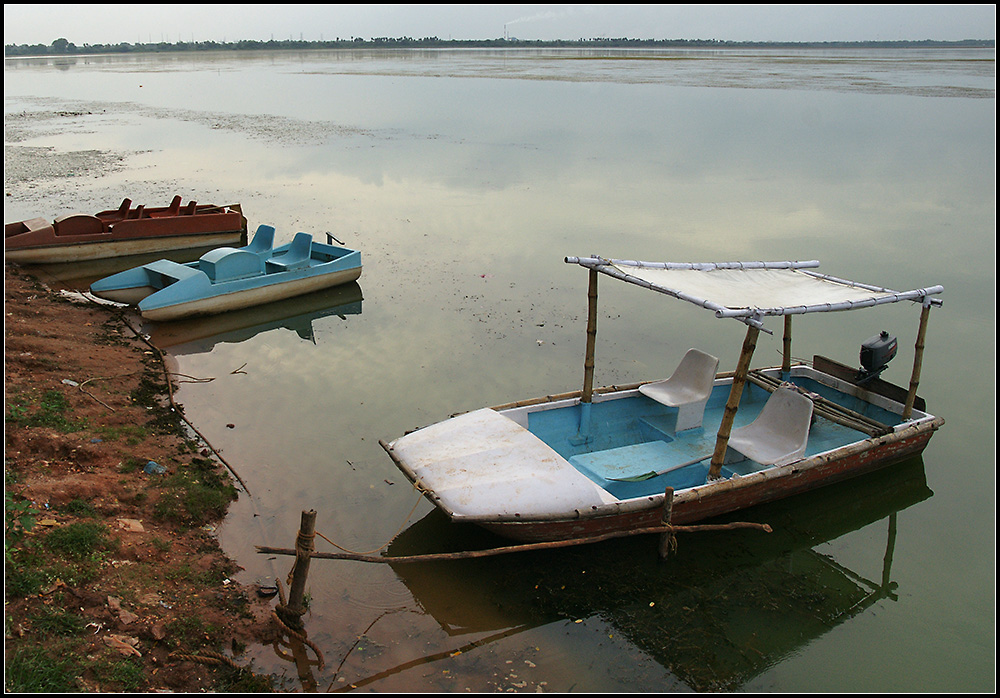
point(634, 435)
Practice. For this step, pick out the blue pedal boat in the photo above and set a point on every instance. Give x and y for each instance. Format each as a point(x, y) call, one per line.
point(229, 278)
point(699, 444)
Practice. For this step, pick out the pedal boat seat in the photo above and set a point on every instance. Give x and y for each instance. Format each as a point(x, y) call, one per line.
point(779, 434)
point(687, 389)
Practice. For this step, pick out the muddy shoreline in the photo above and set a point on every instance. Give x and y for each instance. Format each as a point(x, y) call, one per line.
point(93, 448)
point(141, 596)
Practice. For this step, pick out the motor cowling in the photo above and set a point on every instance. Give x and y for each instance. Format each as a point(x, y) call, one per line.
point(876, 353)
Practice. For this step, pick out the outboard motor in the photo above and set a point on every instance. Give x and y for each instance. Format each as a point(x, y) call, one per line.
point(876, 353)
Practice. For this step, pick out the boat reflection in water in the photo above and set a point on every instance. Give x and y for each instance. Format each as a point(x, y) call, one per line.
point(200, 335)
point(717, 613)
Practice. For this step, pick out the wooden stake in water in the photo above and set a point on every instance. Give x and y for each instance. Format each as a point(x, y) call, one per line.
point(667, 540)
point(304, 545)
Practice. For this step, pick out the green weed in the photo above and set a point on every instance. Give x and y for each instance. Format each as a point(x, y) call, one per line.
point(51, 411)
point(196, 495)
point(126, 674)
point(132, 434)
point(77, 540)
point(31, 669)
point(56, 621)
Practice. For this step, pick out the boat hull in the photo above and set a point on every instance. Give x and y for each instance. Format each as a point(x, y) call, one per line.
point(123, 232)
point(227, 279)
point(467, 473)
point(240, 300)
point(727, 496)
point(89, 251)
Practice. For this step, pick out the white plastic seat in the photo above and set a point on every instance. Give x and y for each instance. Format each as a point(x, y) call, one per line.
point(688, 389)
point(780, 432)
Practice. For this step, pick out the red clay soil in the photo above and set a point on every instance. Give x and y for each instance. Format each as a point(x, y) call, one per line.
point(84, 418)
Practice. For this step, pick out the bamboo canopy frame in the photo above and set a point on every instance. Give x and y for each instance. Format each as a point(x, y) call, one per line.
point(749, 292)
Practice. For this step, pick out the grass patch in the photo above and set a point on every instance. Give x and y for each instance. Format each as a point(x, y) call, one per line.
point(126, 674)
point(73, 554)
point(77, 540)
point(195, 495)
point(31, 669)
point(234, 680)
point(56, 621)
point(19, 515)
point(21, 582)
point(81, 508)
point(49, 411)
point(131, 464)
point(150, 394)
point(131, 434)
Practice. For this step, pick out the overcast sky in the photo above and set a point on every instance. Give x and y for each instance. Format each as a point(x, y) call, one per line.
point(134, 23)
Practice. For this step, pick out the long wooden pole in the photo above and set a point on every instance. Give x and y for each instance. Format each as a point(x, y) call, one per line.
point(918, 359)
point(524, 547)
point(588, 362)
point(735, 392)
point(587, 396)
point(786, 341)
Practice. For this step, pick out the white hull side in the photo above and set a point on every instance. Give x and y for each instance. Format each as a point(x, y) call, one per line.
point(82, 252)
point(128, 296)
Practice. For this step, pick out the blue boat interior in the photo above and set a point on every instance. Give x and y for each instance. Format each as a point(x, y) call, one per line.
point(299, 255)
point(227, 264)
point(631, 437)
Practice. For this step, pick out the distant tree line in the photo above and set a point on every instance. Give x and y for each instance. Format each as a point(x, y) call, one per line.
point(62, 46)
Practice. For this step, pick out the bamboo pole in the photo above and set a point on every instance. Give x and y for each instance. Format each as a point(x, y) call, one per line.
point(735, 392)
point(828, 409)
point(292, 613)
point(786, 340)
point(587, 396)
point(525, 547)
point(588, 363)
point(918, 358)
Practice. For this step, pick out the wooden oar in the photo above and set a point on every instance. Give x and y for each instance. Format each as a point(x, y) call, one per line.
point(657, 473)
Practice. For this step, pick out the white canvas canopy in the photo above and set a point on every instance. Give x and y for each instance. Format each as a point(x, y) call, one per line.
point(751, 290)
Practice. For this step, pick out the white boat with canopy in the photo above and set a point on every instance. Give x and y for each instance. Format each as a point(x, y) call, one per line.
point(704, 442)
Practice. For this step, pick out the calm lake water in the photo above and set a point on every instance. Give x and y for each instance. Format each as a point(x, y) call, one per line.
point(465, 177)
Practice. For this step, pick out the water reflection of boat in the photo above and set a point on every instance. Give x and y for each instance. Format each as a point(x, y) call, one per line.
point(718, 613)
point(123, 231)
point(593, 462)
point(199, 335)
point(227, 279)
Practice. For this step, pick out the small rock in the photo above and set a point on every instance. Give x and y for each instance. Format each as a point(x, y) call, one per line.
point(123, 644)
point(131, 525)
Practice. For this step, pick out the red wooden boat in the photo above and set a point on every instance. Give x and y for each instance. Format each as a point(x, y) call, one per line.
point(124, 231)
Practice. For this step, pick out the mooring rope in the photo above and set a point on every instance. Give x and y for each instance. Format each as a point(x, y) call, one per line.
point(206, 657)
point(384, 545)
point(282, 607)
point(300, 637)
